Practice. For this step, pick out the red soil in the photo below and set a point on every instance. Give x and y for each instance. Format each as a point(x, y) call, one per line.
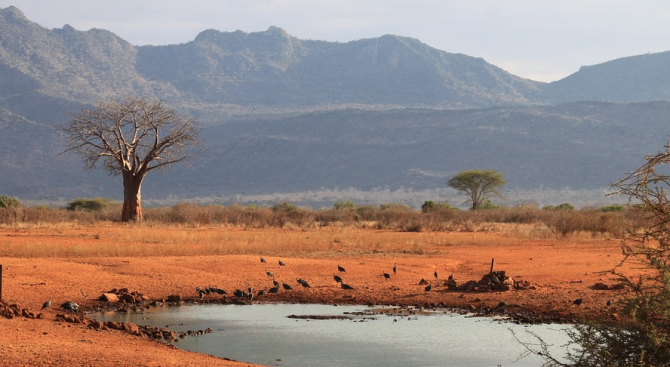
point(560, 271)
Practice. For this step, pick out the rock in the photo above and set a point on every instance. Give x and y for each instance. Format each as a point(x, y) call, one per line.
point(169, 335)
point(127, 298)
point(114, 325)
point(96, 325)
point(601, 286)
point(109, 298)
point(174, 298)
point(503, 287)
point(131, 328)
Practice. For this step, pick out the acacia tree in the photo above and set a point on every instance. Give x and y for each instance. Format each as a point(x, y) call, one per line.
point(131, 138)
point(478, 185)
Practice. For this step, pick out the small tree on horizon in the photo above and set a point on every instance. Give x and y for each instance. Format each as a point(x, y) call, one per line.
point(131, 138)
point(478, 185)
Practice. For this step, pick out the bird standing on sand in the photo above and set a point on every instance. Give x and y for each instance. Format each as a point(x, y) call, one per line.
point(387, 276)
point(69, 306)
point(346, 286)
point(429, 287)
point(435, 273)
point(578, 301)
point(341, 269)
point(281, 263)
point(286, 286)
point(337, 278)
point(395, 269)
point(263, 261)
point(46, 305)
point(269, 273)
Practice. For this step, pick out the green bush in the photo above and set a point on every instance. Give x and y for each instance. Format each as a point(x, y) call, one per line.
point(488, 205)
point(613, 208)
point(564, 206)
point(429, 206)
point(9, 202)
point(284, 206)
point(89, 205)
point(341, 205)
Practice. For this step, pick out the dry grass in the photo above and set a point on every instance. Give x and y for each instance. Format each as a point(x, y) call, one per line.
point(190, 229)
point(110, 239)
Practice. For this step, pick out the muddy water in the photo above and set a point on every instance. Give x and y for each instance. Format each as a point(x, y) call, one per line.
point(265, 334)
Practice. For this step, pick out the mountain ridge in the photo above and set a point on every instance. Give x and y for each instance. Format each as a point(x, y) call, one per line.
point(284, 114)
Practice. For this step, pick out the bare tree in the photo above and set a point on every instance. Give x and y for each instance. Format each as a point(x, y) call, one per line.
point(131, 138)
point(641, 337)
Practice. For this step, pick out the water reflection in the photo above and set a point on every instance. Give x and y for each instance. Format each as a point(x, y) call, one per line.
point(264, 334)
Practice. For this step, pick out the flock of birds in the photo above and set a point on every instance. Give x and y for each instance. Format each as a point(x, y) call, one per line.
point(249, 293)
point(276, 286)
point(67, 306)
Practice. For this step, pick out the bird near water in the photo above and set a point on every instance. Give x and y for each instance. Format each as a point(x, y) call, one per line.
point(69, 306)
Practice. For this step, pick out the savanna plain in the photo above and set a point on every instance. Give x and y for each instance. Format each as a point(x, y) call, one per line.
point(552, 258)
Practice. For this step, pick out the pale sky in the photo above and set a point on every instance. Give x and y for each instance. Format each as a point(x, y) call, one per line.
point(543, 40)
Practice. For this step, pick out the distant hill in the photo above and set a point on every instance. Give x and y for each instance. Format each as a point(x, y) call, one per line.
point(580, 145)
point(284, 114)
point(629, 79)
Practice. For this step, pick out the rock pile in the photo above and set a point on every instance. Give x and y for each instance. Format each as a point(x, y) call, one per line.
point(13, 310)
point(128, 327)
point(494, 281)
point(122, 295)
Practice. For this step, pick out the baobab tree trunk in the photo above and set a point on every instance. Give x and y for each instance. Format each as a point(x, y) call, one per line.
point(132, 198)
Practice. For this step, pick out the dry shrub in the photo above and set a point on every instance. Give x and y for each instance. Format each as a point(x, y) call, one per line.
point(393, 217)
point(330, 216)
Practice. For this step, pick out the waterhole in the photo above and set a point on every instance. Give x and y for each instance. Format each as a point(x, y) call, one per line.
point(327, 336)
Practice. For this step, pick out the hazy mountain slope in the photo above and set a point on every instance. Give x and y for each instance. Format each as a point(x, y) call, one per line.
point(243, 86)
point(580, 145)
point(273, 68)
point(577, 145)
point(629, 79)
point(66, 63)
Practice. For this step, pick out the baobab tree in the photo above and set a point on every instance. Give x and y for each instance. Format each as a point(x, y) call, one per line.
point(131, 138)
